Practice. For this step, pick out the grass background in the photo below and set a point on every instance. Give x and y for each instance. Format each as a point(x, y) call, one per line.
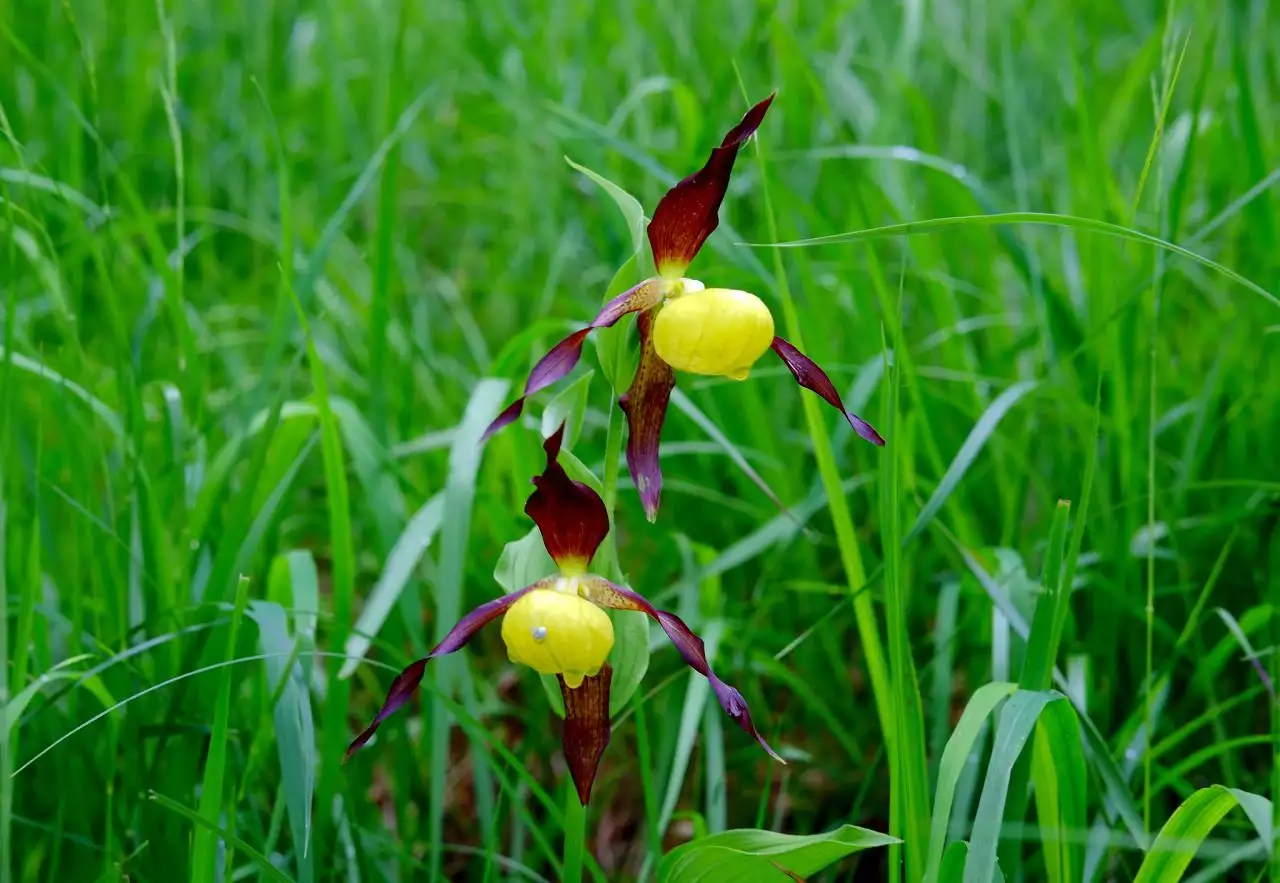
point(198, 487)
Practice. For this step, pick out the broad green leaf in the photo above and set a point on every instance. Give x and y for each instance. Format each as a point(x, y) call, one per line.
point(568, 406)
point(1181, 837)
point(748, 856)
point(954, 757)
point(1016, 723)
point(629, 657)
point(618, 356)
point(1058, 774)
point(291, 718)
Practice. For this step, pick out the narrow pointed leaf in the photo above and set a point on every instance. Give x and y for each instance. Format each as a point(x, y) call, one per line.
point(1016, 724)
point(973, 445)
point(954, 757)
point(396, 574)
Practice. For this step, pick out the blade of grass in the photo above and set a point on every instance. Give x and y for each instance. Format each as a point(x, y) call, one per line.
point(1058, 775)
point(342, 591)
point(841, 517)
point(396, 574)
point(212, 791)
point(450, 673)
point(217, 831)
point(1037, 673)
point(388, 196)
point(973, 445)
point(1052, 608)
point(934, 225)
point(909, 770)
point(291, 719)
point(1181, 836)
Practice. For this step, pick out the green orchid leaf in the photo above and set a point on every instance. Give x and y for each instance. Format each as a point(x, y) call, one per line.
point(618, 353)
point(748, 855)
point(569, 406)
point(618, 356)
point(632, 211)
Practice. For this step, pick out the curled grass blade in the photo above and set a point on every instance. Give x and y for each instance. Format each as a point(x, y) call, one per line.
point(1182, 835)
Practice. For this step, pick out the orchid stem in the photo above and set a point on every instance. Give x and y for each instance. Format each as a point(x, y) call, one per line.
point(575, 829)
point(612, 454)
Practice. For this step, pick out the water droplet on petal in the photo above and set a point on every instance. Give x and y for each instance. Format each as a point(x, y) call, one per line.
point(539, 633)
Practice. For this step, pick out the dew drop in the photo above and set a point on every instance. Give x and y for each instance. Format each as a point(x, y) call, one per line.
point(539, 633)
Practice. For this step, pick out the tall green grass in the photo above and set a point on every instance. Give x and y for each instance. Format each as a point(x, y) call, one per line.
point(266, 272)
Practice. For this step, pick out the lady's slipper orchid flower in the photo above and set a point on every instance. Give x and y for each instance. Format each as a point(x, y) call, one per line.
point(684, 325)
point(558, 626)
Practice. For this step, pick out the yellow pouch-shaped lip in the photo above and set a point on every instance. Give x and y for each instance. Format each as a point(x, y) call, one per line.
point(557, 631)
point(719, 332)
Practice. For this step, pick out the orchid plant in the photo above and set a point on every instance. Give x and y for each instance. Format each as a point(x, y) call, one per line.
point(559, 624)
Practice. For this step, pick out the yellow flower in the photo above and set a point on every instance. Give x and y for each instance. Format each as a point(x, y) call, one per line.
point(556, 631)
point(719, 332)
